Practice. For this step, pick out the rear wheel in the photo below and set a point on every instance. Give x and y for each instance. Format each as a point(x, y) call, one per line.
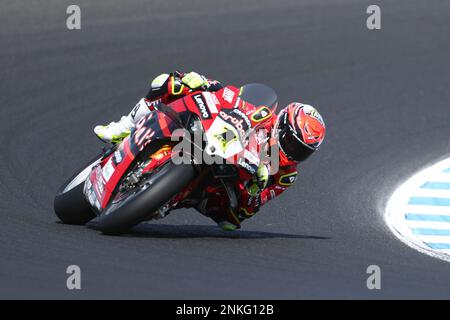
point(70, 204)
point(127, 211)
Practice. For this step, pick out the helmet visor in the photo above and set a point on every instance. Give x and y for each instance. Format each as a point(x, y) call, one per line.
point(294, 148)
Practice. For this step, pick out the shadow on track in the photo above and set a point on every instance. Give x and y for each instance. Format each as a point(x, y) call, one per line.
point(202, 231)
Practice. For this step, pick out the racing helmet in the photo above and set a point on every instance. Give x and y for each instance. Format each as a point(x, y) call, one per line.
point(301, 131)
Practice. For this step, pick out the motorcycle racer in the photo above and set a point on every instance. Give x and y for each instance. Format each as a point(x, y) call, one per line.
point(298, 130)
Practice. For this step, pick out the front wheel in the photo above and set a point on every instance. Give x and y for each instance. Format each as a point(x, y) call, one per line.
point(70, 204)
point(157, 190)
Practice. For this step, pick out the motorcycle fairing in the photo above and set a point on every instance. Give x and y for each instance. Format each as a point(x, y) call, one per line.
point(105, 177)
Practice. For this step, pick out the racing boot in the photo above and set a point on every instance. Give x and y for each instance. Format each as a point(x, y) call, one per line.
point(115, 132)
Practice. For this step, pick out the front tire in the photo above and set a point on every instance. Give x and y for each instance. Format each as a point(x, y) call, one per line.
point(170, 180)
point(70, 204)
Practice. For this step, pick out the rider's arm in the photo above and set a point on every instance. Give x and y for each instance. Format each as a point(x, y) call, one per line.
point(250, 202)
point(278, 183)
point(169, 87)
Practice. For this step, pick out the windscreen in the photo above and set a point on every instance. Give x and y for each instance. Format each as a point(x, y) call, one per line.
point(259, 95)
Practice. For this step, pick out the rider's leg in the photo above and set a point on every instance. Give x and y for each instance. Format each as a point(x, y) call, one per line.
point(117, 131)
point(215, 209)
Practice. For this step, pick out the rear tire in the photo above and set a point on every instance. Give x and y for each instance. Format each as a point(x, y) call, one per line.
point(70, 204)
point(170, 180)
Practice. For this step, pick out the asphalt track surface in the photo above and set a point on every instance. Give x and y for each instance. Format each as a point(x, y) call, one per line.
point(384, 95)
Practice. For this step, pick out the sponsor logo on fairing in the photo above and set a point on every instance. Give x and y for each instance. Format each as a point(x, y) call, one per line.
point(100, 186)
point(237, 123)
point(228, 95)
point(251, 157)
point(251, 169)
point(108, 170)
point(143, 133)
point(243, 116)
point(201, 104)
point(118, 157)
point(211, 101)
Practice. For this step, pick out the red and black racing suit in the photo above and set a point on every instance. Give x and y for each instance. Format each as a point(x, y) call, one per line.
point(173, 89)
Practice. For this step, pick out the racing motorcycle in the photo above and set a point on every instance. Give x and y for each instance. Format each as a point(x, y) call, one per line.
point(139, 180)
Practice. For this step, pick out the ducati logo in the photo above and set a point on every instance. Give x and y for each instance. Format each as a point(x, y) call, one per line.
point(225, 137)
